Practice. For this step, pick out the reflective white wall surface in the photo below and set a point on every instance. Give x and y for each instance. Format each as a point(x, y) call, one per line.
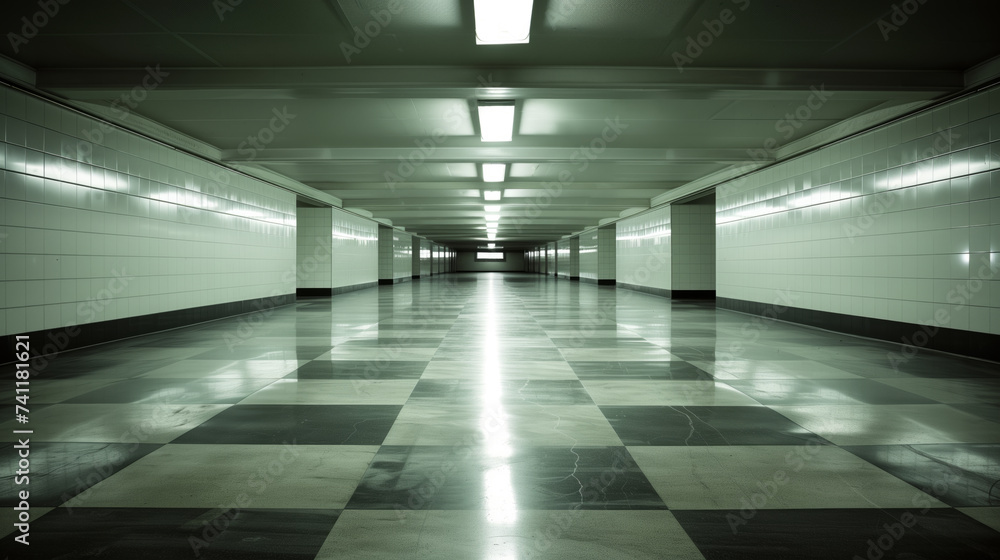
point(103, 224)
point(355, 250)
point(588, 255)
point(901, 223)
point(644, 250)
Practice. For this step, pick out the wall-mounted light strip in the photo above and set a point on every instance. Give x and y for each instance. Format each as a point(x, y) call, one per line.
point(503, 22)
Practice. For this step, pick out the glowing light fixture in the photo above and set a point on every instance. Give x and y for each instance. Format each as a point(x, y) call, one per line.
point(492, 195)
point(492, 217)
point(494, 172)
point(503, 22)
point(492, 225)
point(496, 122)
point(492, 208)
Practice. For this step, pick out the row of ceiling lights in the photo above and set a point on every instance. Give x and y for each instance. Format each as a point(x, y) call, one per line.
point(498, 22)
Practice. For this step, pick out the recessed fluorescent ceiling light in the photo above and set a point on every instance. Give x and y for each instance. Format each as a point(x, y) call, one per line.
point(491, 236)
point(492, 195)
point(492, 208)
point(496, 121)
point(494, 172)
point(492, 225)
point(503, 22)
point(492, 217)
point(491, 245)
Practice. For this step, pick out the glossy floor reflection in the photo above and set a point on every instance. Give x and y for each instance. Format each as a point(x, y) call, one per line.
point(508, 417)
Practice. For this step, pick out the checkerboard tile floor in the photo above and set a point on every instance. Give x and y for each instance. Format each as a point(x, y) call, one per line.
point(507, 416)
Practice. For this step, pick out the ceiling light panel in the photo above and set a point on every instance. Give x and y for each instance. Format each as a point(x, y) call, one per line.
point(503, 22)
point(494, 172)
point(496, 121)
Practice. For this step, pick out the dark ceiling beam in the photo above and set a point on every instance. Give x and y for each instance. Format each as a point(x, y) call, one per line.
point(517, 83)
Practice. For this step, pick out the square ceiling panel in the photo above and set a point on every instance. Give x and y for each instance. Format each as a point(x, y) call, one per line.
point(633, 17)
point(410, 15)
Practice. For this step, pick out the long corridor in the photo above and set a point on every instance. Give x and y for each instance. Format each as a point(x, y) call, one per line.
point(508, 416)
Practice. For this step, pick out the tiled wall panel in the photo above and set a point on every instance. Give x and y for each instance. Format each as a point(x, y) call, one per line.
point(402, 255)
point(606, 249)
point(101, 224)
point(563, 267)
point(313, 248)
point(588, 255)
point(692, 247)
point(355, 250)
point(901, 223)
point(643, 244)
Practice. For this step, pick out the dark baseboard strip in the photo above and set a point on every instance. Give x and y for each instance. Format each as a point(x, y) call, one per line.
point(586, 280)
point(50, 342)
point(415, 276)
point(912, 337)
point(574, 278)
point(314, 292)
point(646, 289)
point(606, 282)
point(352, 288)
point(692, 294)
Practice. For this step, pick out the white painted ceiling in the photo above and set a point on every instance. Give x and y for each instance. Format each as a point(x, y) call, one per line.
point(589, 63)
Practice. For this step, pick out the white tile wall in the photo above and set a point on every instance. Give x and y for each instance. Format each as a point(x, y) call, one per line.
point(574, 257)
point(425, 258)
point(122, 226)
point(644, 251)
point(902, 223)
point(692, 247)
point(355, 250)
point(402, 254)
point(385, 253)
point(563, 258)
point(588, 255)
point(606, 249)
point(314, 248)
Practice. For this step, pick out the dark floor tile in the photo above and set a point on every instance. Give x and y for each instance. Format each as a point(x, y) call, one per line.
point(173, 391)
point(392, 342)
point(60, 471)
point(675, 370)
point(472, 352)
point(724, 352)
point(302, 424)
point(540, 392)
point(824, 391)
point(103, 368)
point(706, 425)
point(958, 474)
point(251, 352)
point(931, 367)
point(459, 477)
point(839, 534)
point(359, 369)
point(986, 411)
point(169, 534)
point(602, 342)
